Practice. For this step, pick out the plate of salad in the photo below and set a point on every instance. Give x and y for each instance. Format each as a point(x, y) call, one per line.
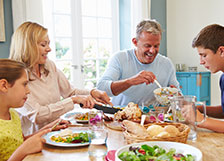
point(67, 138)
point(158, 151)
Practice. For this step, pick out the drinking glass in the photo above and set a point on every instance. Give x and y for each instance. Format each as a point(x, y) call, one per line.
point(98, 136)
point(184, 110)
point(98, 148)
point(155, 115)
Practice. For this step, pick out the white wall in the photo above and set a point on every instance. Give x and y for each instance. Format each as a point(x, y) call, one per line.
point(185, 18)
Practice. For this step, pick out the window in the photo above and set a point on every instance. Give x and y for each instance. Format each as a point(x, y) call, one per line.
point(84, 33)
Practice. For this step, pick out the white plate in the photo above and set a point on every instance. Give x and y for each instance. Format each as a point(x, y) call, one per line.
point(71, 116)
point(180, 148)
point(48, 136)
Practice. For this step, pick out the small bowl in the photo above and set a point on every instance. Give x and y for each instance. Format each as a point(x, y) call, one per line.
point(164, 94)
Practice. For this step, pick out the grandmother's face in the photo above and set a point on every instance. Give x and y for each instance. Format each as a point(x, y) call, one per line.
point(44, 49)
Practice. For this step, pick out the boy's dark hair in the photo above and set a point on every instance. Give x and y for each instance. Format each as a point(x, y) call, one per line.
point(11, 70)
point(211, 37)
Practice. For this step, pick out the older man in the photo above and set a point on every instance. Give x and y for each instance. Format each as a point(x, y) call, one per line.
point(130, 74)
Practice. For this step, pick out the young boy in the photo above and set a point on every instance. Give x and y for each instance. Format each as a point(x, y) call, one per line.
point(210, 46)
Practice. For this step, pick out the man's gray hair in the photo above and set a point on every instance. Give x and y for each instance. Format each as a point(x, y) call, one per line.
point(148, 25)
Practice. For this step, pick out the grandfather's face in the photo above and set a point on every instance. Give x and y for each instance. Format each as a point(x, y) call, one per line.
point(147, 47)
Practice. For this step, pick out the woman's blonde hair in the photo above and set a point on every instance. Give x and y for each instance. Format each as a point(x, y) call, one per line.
point(24, 43)
point(11, 70)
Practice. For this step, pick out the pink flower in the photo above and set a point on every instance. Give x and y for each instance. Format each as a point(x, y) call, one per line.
point(93, 121)
point(160, 117)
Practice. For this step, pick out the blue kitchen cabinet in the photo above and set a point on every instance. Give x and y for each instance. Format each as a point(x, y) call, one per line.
point(195, 83)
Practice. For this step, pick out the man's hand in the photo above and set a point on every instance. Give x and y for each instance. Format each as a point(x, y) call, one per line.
point(142, 77)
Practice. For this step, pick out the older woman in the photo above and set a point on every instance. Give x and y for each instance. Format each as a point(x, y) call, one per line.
point(48, 85)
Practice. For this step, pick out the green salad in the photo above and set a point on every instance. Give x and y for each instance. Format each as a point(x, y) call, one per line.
point(153, 153)
point(72, 138)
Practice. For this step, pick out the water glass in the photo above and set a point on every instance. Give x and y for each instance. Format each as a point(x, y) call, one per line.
point(97, 149)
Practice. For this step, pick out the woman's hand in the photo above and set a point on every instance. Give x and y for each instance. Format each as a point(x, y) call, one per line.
point(101, 96)
point(87, 101)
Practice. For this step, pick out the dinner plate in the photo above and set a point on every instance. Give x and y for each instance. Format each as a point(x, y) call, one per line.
point(180, 148)
point(71, 116)
point(48, 136)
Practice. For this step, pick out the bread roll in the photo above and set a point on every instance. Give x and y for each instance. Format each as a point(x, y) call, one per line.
point(154, 130)
point(135, 128)
point(163, 134)
point(172, 130)
point(130, 112)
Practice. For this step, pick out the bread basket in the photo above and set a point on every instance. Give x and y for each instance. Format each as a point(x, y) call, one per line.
point(181, 137)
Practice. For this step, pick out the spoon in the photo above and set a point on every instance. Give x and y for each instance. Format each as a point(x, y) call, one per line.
point(157, 83)
point(143, 119)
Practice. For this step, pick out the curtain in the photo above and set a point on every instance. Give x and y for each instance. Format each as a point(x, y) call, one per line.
point(140, 9)
point(26, 10)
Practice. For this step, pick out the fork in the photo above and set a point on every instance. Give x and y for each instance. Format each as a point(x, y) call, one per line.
point(157, 83)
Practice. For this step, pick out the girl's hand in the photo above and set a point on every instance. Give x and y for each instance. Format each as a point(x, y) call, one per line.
point(101, 96)
point(87, 101)
point(31, 145)
point(34, 143)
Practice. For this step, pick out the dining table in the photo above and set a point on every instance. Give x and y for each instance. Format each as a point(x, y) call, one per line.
point(210, 143)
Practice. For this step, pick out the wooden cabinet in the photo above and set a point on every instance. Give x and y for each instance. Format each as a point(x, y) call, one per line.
point(197, 84)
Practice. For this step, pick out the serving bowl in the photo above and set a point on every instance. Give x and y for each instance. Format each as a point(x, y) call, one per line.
point(179, 147)
point(164, 94)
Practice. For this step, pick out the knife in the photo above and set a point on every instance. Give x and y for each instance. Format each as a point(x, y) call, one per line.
point(104, 108)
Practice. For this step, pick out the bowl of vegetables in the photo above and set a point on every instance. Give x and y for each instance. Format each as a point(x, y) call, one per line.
point(164, 94)
point(158, 150)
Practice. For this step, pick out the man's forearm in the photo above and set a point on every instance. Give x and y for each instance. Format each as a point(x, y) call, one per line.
point(119, 86)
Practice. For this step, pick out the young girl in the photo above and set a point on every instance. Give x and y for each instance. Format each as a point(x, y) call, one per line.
point(30, 45)
point(13, 94)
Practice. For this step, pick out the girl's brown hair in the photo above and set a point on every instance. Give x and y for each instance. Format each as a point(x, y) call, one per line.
point(11, 70)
